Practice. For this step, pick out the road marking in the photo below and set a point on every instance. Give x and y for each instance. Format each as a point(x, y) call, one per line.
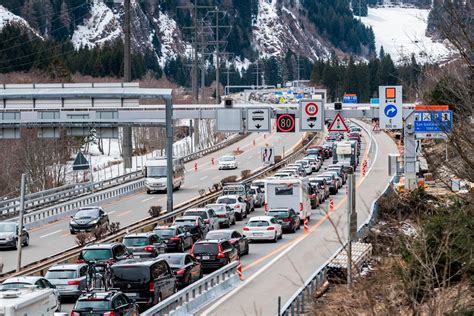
point(58, 231)
point(147, 199)
point(203, 178)
point(124, 213)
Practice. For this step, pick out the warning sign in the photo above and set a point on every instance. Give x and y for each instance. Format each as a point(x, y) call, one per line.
point(338, 125)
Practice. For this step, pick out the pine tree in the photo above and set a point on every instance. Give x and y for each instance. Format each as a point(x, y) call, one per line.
point(64, 16)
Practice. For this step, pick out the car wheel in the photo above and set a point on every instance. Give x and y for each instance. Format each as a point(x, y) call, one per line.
point(181, 248)
point(27, 241)
point(275, 239)
point(247, 249)
point(293, 229)
point(233, 222)
point(148, 191)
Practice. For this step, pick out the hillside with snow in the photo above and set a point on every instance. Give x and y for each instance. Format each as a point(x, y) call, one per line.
point(6, 17)
point(401, 32)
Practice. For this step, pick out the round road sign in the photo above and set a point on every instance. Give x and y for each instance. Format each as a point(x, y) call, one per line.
point(285, 123)
point(311, 109)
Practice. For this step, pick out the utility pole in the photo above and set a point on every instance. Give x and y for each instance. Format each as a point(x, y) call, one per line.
point(127, 77)
point(169, 155)
point(218, 63)
point(298, 70)
point(352, 224)
point(20, 221)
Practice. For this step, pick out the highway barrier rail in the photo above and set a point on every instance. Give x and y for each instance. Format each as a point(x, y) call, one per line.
point(70, 255)
point(191, 298)
point(37, 211)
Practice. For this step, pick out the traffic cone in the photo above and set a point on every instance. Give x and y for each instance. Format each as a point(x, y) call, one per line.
point(195, 166)
point(306, 226)
point(331, 205)
point(239, 271)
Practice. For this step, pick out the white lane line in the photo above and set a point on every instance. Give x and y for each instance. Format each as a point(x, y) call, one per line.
point(147, 199)
point(58, 231)
point(204, 178)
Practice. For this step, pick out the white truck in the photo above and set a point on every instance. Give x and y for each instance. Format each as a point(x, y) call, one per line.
point(155, 174)
point(345, 153)
point(27, 302)
point(292, 193)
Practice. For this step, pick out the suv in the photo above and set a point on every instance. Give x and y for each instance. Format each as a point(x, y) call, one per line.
point(236, 203)
point(214, 254)
point(69, 279)
point(9, 235)
point(194, 224)
point(242, 190)
point(144, 245)
point(146, 282)
point(207, 215)
point(99, 302)
point(108, 253)
point(88, 218)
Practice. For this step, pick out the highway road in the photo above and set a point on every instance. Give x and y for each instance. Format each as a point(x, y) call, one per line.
point(53, 238)
point(273, 270)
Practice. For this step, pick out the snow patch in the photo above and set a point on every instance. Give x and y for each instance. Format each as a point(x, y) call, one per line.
point(6, 17)
point(101, 27)
point(169, 34)
point(401, 32)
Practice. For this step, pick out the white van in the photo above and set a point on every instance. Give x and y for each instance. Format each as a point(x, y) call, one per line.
point(27, 302)
point(292, 193)
point(155, 174)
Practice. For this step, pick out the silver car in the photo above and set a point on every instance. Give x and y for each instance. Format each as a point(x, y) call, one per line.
point(225, 214)
point(9, 235)
point(69, 279)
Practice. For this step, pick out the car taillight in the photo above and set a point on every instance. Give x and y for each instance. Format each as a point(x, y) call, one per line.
point(220, 255)
point(148, 248)
point(271, 228)
point(75, 314)
point(221, 215)
point(301, 207)
point(237, 206)
point(180, 271)
point(206, 221)
point(110, 314)
point(80, 261)
point(74, 282)
point(174, 238)
point(246, 229)
point(287, 219)
point(151, 286)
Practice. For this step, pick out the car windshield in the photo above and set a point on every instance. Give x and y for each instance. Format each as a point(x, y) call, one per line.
point(172, 259)
point(227, 200)
point(130, 274)
point(205, 248)
point(135, 241)
point(201, 214)
point(156, 171)
point(96, 254)
point(15, 285)
point(233, 190)
point(279, 213)
point(218, 235)
point(165, 232)
point(61, 274)
point(93, 305)
point(258, 223)
point(7, 227)
point(185, 222)
point(227, 158)
point(87, 213)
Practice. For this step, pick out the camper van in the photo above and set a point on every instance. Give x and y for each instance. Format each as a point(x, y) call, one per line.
point(292, 193)
point(155, 174)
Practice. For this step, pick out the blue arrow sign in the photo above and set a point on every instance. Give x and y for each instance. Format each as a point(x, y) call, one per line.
point(390, 110)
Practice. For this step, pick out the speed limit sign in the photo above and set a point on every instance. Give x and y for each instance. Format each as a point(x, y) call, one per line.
point(311, 115)
point(285, 123)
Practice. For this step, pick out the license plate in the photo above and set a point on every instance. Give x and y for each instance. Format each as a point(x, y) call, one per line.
point(258, 234)
point(131, 294)
point(205, 257)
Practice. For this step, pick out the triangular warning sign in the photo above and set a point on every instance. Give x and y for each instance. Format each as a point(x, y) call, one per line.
point(80, 163)
point(338, 125)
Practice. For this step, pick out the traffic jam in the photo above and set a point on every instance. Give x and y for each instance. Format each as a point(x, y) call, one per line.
point(128, 277)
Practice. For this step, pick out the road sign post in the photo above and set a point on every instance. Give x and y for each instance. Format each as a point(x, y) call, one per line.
point(391, 107)
point(311, 115)
point(258, 120)
point(285, 123)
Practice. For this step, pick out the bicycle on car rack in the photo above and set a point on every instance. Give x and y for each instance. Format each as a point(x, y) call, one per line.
point(99, 276)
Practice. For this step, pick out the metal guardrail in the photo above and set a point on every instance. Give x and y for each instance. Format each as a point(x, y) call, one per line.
point(198, 293)
point(70, 255)
point(52, 196)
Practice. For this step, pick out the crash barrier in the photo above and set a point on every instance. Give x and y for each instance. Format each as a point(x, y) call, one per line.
point(297, 303)
point(40, 267)
point(193, 297)
point(94, 193)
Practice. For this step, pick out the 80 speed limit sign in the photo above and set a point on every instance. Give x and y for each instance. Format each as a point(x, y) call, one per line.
point(285, 123)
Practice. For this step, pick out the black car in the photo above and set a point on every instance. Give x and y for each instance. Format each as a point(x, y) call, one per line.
point(214, 254)
point(99, 302)
point(104, 253)
point(186, 269)
point(287, 217)
point(193, 224)
point(145, 281)
point(175, 237)
point(144, 245)
point(234, 237)
point(88, 218)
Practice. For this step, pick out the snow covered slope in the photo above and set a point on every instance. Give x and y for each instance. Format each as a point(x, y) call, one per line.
point(7, 17)
point(401, 32)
